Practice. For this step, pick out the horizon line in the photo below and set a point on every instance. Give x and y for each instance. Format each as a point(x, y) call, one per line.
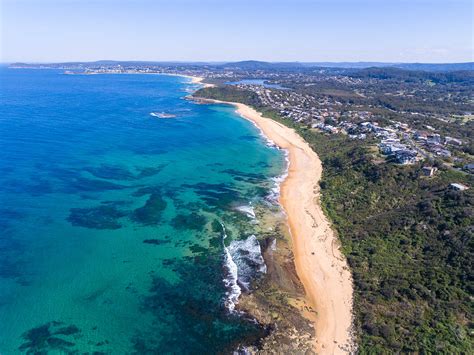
point(230, 62)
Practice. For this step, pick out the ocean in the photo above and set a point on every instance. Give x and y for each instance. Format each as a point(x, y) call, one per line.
point(130, 217)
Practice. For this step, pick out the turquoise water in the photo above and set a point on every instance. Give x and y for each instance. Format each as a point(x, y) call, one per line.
point(112, 220)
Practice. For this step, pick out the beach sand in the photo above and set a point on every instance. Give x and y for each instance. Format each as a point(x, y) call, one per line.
point(320, 265)
point(198, 80)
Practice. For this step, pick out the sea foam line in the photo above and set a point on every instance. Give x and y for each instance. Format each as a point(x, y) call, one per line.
point(275, 191)
point(244, 261)
point(268, 141)
point(247, 210)
point(233, 289)
point(274, 195)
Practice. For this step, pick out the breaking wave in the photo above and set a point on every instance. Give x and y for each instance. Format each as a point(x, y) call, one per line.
point(243, 261)
point(247, 210)
point(274, 194)
point(230, 281)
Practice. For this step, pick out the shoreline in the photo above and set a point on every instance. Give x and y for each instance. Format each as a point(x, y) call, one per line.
point(196, 80)
point(193, 79)
point(319, 263)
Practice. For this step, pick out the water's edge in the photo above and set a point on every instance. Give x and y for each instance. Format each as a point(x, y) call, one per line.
point(290, 317)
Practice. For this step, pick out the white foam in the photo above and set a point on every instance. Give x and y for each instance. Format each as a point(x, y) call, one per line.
point(243, 260)
point(241, 350)
point(162, 115)
point(247, 255)
point(267, 140)
point(275, 190)
point(247, 210)
point(273, 245)
point(233, 289)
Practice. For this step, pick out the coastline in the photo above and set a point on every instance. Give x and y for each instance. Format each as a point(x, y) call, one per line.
point(320, 265)
point(192, 79)
point(197, 80)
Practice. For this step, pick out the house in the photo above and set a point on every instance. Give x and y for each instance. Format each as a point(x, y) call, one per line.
point(444, 153)
point(391, 146)
point(453, 141)
point(469, 168)
point(458, 187)
point(406, 156)
point(434, 139)
point(421, 136)
point(439, 151)
point(429, 170)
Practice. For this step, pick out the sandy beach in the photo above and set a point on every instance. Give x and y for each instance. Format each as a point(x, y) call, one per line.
point(198, 80)
point(319, 263)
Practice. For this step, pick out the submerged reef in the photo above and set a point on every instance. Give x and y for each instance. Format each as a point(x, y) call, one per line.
point(100, 217)
point(194, 305)
point(247, 177)
point(80, 183)
point(110, 172)
point(49, 337)
point(147, 190)
point(157, 241)
point(149, 171)
point(193, 221)
point(218, 197)
point(151, 212)
point(118, 172)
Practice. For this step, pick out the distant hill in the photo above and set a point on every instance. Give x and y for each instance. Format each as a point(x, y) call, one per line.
point(252, 64)
point(411, 75)
point(261, 65)
point(348, 65)
point(407, 66)
point(256, 65)
point(436, 67)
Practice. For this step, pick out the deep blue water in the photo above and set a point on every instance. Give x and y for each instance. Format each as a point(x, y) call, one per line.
point(112, 221)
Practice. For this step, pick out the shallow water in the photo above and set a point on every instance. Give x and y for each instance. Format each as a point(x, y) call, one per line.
point(111, 237)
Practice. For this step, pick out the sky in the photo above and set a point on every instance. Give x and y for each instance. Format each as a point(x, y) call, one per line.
point(431, 31)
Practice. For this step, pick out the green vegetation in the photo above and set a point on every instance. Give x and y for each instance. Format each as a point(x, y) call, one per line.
point(229, 93)
point(407, 238)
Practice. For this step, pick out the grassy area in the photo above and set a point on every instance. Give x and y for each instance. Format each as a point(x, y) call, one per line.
point(407, 238)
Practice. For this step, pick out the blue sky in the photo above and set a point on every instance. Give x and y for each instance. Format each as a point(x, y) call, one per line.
point(228, 30)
